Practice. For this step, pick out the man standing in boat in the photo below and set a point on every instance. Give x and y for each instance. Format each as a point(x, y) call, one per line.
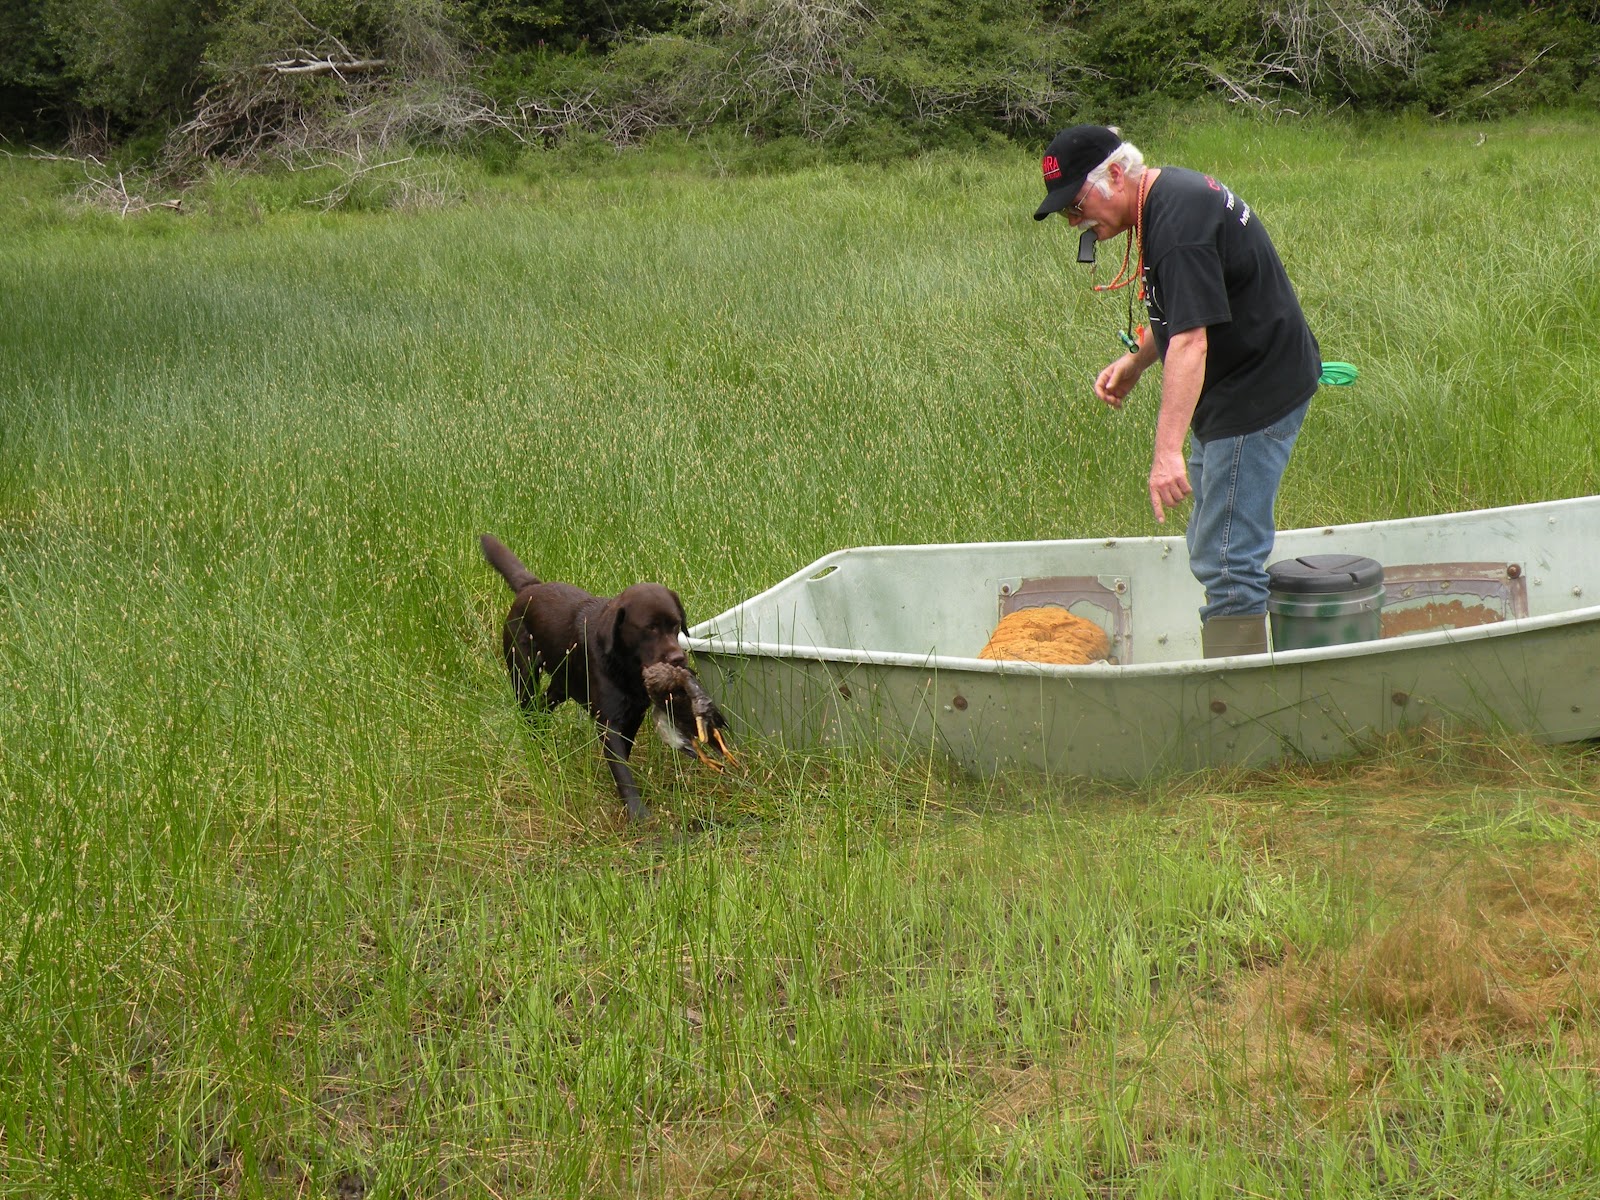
point(1239, 362)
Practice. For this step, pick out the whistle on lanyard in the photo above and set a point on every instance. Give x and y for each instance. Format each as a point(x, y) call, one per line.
point(1086, 244)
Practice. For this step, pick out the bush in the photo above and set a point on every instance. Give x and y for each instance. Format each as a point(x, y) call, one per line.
point(1166, 46)
point(1485, 62)
point(516, 27)
point(136, 61)
point(995, 65)
point(866, 78)
point(859, 78)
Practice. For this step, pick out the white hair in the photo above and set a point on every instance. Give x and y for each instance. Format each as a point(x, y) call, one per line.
point(1127, 156)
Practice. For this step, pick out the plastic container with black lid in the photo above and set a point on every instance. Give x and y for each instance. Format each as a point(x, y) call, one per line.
point(1325, 600)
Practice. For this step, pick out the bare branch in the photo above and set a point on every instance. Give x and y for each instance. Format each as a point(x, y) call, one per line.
point(1249, 91)
point(104, 192)
point(1518, 75)
point(793, 50)
point(1348, 36)
point(1503, 83)
point(326, 66)
point(352, 176)
point(38, 155)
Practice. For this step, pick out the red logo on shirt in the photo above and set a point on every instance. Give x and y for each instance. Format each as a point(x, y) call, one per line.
point(1052, 168)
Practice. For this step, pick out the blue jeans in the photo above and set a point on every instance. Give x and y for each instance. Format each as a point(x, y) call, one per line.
point(1230, 531)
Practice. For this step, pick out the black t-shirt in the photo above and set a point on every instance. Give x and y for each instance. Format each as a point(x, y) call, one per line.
point(1208, 262)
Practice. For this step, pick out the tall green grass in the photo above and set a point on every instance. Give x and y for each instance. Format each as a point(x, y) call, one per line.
point(292, 901)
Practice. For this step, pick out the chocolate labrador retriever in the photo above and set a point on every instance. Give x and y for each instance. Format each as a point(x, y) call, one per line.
point(594, 650)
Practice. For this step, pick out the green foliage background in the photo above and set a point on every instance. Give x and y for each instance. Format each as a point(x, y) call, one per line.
point(898, 74)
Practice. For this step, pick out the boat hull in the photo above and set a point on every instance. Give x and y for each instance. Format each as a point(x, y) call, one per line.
point(1527, 670)
point(1099, 724)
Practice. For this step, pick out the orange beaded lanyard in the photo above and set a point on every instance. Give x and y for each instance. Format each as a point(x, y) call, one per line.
point(1129, 336)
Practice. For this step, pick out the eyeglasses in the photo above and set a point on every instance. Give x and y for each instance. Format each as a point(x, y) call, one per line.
point(1075, 209)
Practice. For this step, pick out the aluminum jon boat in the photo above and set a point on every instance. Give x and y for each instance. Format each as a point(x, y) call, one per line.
point(1489, 618)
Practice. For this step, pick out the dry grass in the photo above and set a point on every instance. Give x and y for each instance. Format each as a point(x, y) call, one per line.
point(1463, 951)
point(1464, 944)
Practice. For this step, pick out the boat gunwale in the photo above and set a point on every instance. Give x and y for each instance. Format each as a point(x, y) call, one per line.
point(703, 638)
point(1183, 666)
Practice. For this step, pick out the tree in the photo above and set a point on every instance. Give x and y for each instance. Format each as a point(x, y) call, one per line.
point(136, 61)
point(30, 71)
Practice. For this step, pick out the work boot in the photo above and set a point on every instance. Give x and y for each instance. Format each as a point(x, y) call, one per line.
point(1224, 636)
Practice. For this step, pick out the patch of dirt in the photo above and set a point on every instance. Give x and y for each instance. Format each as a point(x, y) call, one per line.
point(1421, 618)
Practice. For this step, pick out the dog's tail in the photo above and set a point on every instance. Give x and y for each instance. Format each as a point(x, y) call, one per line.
point(508, 564)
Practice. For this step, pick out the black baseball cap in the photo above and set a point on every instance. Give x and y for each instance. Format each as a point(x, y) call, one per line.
point(1067, 163)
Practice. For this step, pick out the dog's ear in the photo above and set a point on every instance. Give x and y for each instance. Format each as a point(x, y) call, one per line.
point(609, 634)
point(683, 619)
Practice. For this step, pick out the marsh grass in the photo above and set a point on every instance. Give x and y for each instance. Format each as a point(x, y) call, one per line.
point(295, 903)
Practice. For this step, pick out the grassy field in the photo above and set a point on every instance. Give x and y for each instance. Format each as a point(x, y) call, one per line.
point(293, 902)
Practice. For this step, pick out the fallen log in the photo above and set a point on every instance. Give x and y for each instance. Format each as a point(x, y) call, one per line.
point(325, 66)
